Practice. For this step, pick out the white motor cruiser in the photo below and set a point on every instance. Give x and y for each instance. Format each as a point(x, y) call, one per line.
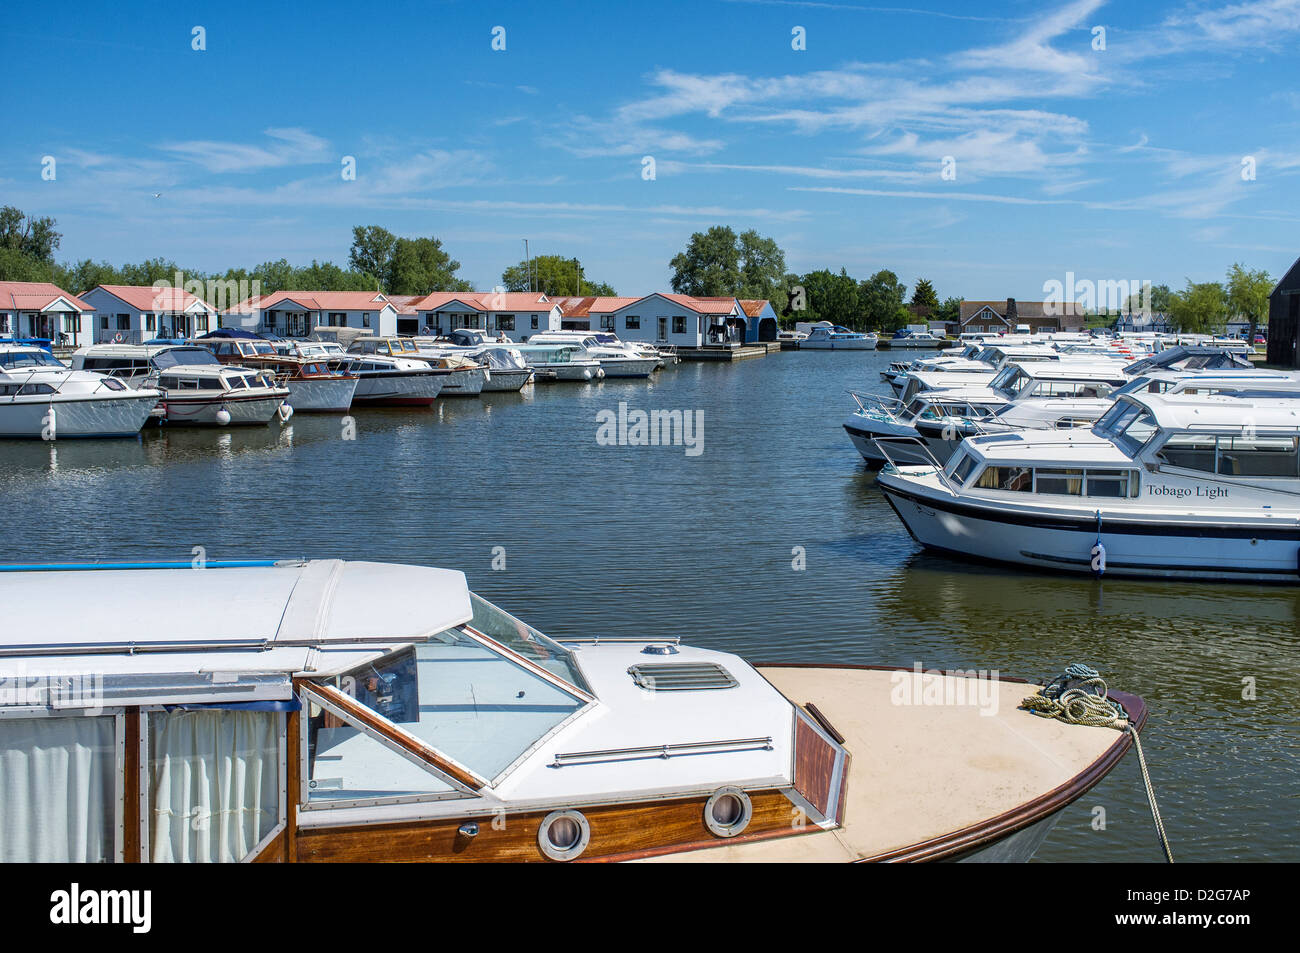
point(41, 398)
point(1201, 487)
point(207, 395)
point(615, 357)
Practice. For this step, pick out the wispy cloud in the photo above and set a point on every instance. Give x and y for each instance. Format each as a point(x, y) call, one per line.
point(287, 147)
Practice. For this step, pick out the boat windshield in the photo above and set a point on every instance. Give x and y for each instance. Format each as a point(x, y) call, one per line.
point(183, 355)
point(1010, 381)
point(466, 698)
point(33, 358)
point(1129, 425)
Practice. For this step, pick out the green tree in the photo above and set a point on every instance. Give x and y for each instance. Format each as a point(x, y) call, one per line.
point(34, 237)
point(710, 265)
point(949, 311)
point(1248, 295)
point(1200, 308)
point(762, 270)
point(881, 298)
point(80, 276)
point(16, 266)
point(421, 266)
point(831, 297)
point(372, 250)
point(1159, 296)
point(923, 295)
point(553, 275)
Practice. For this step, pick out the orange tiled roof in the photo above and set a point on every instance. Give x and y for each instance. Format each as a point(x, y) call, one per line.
point(35, 296)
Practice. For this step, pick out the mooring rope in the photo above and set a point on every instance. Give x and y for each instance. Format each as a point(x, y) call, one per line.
point(1079, 697)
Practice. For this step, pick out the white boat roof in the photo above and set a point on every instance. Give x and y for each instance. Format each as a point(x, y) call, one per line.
point(207, 615)
point(1221, 411)
point(1074, 370)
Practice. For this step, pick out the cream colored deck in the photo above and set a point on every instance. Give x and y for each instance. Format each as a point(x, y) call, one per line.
point(920, 771)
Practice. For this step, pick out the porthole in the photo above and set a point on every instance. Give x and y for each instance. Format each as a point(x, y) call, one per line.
point(564, 835)
point(727, 812)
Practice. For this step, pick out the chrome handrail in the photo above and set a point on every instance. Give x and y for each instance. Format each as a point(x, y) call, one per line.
point(879, 399)
point(938, 467)
point(662, 751)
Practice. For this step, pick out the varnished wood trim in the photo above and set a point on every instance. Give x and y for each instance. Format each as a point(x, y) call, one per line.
point(131, 788)
point(618, 832)
point(293, 782)
point(814, 766)
point(363, 715)
point(824, 722)
point(272, 848)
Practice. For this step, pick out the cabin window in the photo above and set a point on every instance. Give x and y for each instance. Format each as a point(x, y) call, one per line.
point(212, 783)
point(1113, 483)
point(679, 324)
point(201, 322)
point(534, 322)
point(150, 322)
point(1233, 455)
point(1065, 482)
point(632, 323)
point(963, 469)
point(1190, 451)
point(1085, 389)
point(29, 390)
point(59, 789)
point(505, 322)
point(103, 323)
point(124, 322)
point(1018, 479)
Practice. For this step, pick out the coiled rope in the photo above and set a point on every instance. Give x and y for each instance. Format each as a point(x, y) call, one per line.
point(1079, 697)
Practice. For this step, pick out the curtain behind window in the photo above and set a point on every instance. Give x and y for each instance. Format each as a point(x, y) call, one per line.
point(213, 783)
point(57, 791)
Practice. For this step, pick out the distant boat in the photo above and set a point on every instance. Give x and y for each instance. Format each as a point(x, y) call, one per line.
point(837, 338)
point(40, 398)
point(917, 339)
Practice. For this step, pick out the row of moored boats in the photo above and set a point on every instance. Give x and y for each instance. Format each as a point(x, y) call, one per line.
point(1093, 456)
point(233, 377)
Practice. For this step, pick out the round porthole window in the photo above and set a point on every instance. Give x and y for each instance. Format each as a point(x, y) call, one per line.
point(564, 835)
point(727, 812)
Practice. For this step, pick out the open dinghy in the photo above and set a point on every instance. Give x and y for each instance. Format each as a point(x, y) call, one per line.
point(149, 716)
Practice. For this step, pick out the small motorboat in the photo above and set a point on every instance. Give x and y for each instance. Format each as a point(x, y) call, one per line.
point(837, 338)
point(308, 720)
point(41, 398)
point(313, 386)
point(214, 395)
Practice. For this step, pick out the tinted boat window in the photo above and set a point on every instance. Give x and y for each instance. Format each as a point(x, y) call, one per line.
point(1066, 482)
point(1019, 479)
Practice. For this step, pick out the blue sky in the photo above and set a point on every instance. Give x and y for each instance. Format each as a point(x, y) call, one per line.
point(1115, 164)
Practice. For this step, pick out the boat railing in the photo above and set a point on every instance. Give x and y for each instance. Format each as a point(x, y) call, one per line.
point(886, 404)
point(882, 445)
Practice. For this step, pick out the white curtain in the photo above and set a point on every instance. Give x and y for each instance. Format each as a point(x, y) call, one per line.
point(57, 792)
point(213, 783)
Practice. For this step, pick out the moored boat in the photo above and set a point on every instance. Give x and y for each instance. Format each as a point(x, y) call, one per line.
point(438, 727)
point(1199, 487)
point(40, 398)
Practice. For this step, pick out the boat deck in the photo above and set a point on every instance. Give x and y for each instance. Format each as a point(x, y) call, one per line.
point(933, 781)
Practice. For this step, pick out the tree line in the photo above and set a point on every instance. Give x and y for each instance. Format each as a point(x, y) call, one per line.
point(717, 262)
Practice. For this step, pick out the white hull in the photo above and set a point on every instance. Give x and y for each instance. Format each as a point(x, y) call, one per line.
point(628, 366)
point(569, 372)
point(466, 382)
point(398, 388)
point(101, 417)
point(320, 395)
point(868, 344)
point(203, 411)
point(1144, 544)
point(863, 429)
point(506, 379)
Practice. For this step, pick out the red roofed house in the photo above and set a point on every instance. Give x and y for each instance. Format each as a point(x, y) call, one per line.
point(679, 320)
point(38, 309)
point(293, 314)
point(519, 314)
point(133, 314)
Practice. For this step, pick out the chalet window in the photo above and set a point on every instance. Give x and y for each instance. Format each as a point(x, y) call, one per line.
point(365, 320)
point(338, 319)
point(150, 322)
point(201, 322)
point(4, 324)
point(124, 322)
point(103, 322)
point(607, 322)
point(679, 324)
point(505, 322)
point(534, 322)
point(632, 322)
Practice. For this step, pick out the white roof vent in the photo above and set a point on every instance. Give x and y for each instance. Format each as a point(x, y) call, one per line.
point(681, 676)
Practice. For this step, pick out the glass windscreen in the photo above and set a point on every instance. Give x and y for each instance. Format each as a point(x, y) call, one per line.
point(184, 355)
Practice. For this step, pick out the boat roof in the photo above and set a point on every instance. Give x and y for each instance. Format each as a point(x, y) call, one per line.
point(268, 618)
point(1221, 411)
point(1072, 370)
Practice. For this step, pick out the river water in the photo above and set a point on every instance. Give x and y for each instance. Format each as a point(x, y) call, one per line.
point(629, 540)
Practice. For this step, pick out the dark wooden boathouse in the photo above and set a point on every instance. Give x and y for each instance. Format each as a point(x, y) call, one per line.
point(1284, 320)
